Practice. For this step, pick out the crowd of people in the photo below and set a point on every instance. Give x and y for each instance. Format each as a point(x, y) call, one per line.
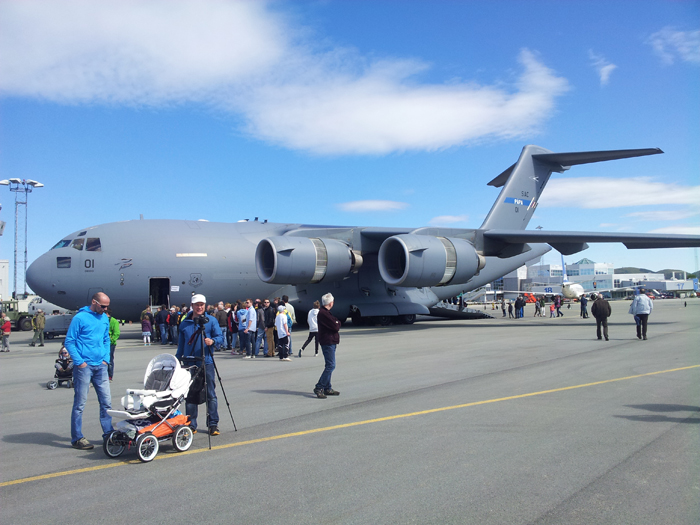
point(91, 340)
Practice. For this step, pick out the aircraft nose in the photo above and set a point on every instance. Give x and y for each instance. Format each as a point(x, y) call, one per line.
point(39, 277)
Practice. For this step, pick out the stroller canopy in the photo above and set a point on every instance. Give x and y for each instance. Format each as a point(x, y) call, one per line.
point(164, 373)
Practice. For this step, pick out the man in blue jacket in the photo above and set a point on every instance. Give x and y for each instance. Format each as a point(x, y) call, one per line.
point(87, 342)
point(189, 348)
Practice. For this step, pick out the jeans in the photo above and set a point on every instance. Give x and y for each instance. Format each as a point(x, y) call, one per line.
point(260, 341)
point(224, 330)
point(212, 403)
point(163, 333)
point(324, 382)
point(110, 367)
point(243, 338)
point(82, 377)
point(234, 340)
point(173, 334)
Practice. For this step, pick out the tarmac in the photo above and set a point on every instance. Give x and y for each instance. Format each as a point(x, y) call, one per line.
point(494, 421)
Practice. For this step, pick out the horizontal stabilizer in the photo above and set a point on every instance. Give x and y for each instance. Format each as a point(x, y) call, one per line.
point(586, 157)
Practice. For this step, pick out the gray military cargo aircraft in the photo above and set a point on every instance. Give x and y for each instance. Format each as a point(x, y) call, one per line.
point(385, 273)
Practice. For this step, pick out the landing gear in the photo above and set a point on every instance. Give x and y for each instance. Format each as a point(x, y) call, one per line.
point(407, 319)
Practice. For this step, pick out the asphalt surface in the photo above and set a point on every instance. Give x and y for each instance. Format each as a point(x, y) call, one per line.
point(491, 421)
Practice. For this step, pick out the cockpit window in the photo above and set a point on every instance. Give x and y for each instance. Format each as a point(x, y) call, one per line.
point(61, 244)
point(77, 244)
point(62, 262)
point(82, 233)
point(93, 244)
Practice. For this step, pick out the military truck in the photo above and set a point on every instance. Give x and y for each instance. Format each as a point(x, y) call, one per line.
point(17, 311)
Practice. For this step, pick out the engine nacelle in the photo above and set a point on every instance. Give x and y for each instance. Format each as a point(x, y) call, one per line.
point(422, 260)
point(303, 260)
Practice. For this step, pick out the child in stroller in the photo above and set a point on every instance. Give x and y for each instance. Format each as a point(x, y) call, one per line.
point(151, 415)
point(64, 370)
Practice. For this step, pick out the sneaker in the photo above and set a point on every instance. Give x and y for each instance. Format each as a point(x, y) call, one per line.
point(252, 357)
point(331, 392)
point(32, 344)
point(214, 431)
point(286, 359)
point(246, 357)
point(193, 429)
point(82, 444)
point(320, 394)
point(42, 344)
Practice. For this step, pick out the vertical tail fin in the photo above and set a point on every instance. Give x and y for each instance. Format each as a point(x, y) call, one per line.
point(564, 277)
point(524, 181)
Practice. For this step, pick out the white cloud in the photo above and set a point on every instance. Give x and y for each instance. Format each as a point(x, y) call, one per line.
point(601, 192)
point(444, 220)
point(602, 66)
point(663, 215)
point(372, 205)
point(680, 230)
point(670, 44)
point(246, 59)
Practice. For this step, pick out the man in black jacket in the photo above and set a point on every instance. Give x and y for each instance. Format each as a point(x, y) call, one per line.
point(328, 338)
point(269, 321)
point(601, 310)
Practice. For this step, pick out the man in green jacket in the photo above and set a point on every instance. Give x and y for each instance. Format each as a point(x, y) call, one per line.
point(38, 323)
point(114, 333)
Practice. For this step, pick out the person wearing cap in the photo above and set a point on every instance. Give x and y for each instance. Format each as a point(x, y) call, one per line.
point(282, 333)
point(38, 323)
point(189, 351)
point(87, 342)
point(329, 338)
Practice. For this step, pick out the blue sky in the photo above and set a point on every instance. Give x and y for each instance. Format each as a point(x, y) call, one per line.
point(349, 112)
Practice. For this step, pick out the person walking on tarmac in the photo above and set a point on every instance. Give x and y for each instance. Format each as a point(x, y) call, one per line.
point(601, 310)
point(38, 323)
point(189, 349)
point(640, 308)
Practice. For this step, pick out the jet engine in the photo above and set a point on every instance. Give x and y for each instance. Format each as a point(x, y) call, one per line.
point(422, 260)
point(304, 260)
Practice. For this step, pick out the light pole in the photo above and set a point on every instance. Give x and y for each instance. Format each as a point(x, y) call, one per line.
point(24, 187)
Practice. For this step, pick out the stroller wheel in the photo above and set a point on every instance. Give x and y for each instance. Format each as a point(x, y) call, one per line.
point(146, 447)
point(51, 385)
point(69, 384)
point(112, 446)
point(182, 438)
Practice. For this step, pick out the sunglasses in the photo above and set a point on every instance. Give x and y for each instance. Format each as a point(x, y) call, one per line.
point(103, 306)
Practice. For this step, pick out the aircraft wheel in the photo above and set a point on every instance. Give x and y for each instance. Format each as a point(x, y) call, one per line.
point(408, 318)
point(182, 438)
point(112, 446)
point(384, 320)
point(51, 385)
point(357, 319)
point(147, 447)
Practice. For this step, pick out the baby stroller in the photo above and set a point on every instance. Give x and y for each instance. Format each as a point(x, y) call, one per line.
point(64, 371)
point(151, 415)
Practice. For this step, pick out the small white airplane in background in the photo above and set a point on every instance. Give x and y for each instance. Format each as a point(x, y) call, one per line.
point(568, 289)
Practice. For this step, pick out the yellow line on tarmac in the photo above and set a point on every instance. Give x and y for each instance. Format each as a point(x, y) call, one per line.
point(345, 425)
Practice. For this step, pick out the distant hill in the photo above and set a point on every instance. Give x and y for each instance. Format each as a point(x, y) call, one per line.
point(632, 269)
point(668, 272)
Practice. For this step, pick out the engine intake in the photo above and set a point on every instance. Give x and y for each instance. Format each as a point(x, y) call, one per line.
point(303, 260)
point(422, 260)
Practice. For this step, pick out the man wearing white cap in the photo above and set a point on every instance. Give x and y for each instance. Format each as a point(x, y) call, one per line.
point(189, 350)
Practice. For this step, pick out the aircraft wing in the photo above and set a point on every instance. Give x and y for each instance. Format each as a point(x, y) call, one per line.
point(572, 242)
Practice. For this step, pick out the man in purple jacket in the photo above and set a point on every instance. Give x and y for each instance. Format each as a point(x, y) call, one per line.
point(328, 338)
